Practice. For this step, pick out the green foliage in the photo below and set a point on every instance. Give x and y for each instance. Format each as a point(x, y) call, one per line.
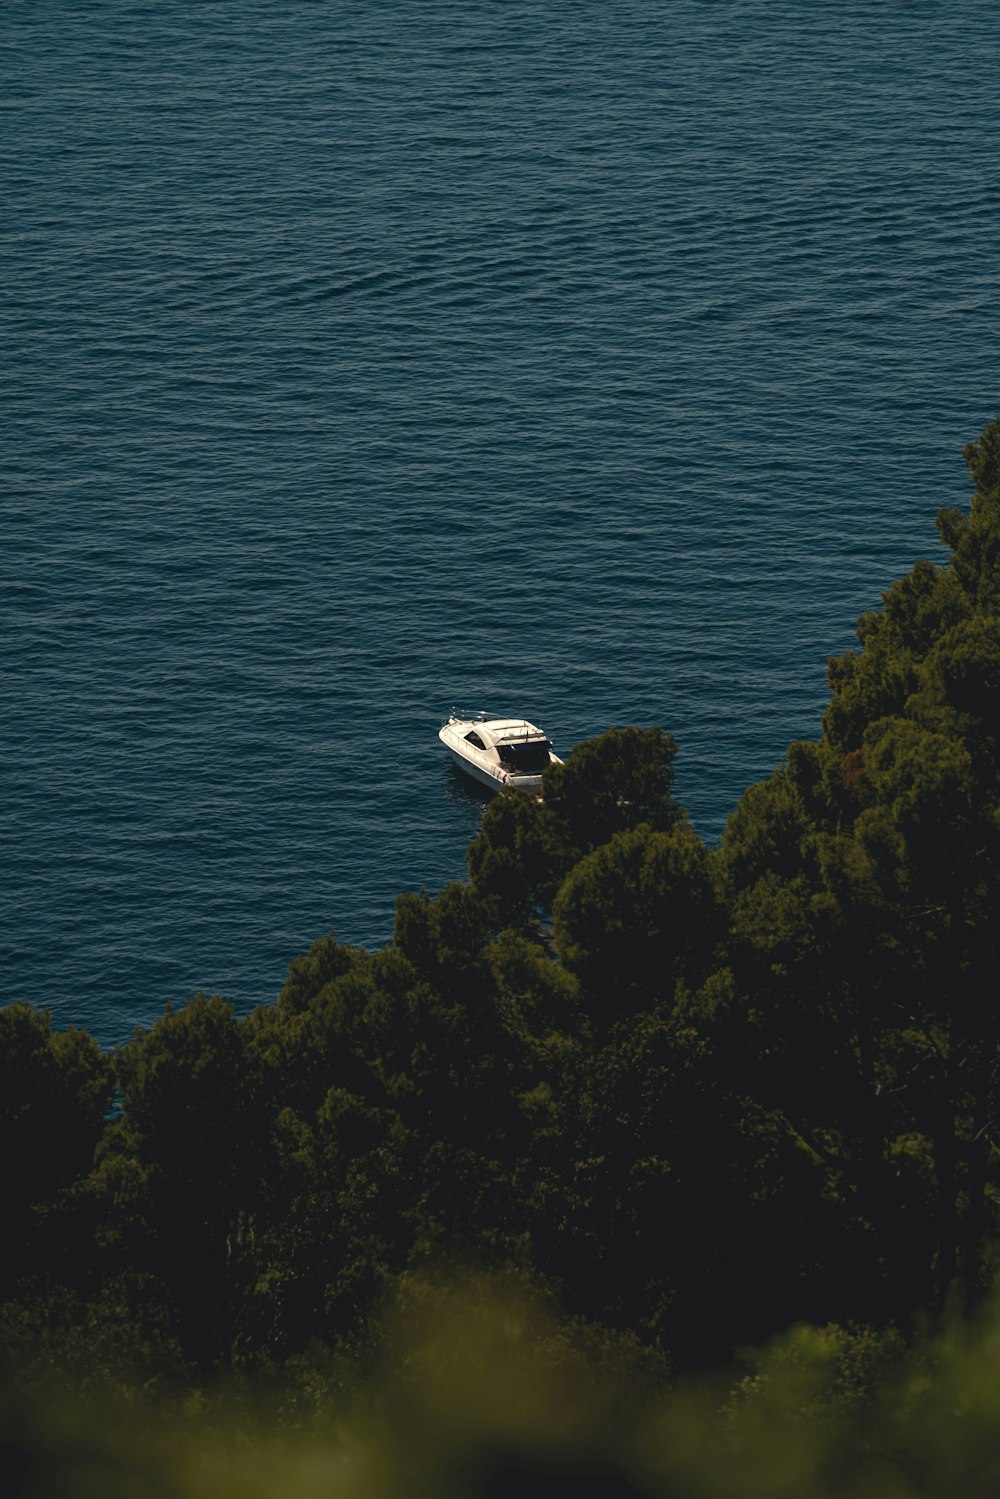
point(619, 781)
point(609, 785)
point(309, 975)
point(863, 881)
point(696, 1096)
point(178, 1168)
point(480, 1388)
point(54, 1091)
point(635, 917)
point(509, 863)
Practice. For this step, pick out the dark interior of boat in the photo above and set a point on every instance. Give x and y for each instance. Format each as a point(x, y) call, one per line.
point(526, 759)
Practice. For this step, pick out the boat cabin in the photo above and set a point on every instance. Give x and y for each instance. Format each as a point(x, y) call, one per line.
point(521, 748)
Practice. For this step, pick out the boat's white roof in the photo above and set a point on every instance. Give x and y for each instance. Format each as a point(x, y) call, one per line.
point(503, 730)
point(512, 728)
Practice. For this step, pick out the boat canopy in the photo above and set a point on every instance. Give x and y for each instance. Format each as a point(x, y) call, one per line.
point(526, 757)
point(497, 731)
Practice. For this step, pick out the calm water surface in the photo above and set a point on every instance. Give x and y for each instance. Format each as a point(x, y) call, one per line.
point(597, 362)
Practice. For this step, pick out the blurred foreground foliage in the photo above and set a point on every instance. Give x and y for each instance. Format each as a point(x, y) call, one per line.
point(477, 1390)
point(686, 1098)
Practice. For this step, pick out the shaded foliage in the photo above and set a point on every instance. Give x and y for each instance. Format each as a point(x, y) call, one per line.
point(698, 1094)
point(55, 1089)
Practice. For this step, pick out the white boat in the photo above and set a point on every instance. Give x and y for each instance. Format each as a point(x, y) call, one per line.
point(498, 751)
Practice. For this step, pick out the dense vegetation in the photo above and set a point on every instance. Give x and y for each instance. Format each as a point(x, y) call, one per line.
point(688, 1097)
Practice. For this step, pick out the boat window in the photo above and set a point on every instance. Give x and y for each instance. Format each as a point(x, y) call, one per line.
point(474, 738)
point(526, 758)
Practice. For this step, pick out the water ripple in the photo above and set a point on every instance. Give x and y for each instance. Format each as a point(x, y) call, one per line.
point(599, 363)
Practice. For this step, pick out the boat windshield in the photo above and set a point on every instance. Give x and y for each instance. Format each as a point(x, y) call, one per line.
point(528, 759)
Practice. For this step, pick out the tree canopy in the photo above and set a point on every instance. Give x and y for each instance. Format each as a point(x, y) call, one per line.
point(697, 1093)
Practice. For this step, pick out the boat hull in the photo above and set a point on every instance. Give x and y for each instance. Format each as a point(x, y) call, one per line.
point(495, 782)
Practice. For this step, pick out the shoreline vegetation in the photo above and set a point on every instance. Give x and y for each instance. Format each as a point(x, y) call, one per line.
point(505, 1207)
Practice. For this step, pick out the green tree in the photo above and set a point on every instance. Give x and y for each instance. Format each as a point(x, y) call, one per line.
point(525, 849)
point(178, 1171)
point(634, 917)
point(862, 881)
point(55, 1089)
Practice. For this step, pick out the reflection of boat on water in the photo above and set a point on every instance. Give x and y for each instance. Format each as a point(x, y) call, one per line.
point(498, 751)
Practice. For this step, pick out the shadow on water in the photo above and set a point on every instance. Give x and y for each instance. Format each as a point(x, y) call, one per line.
point(466, 793)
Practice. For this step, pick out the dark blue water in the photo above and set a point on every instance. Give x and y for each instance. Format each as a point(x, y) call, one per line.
point(597, 363)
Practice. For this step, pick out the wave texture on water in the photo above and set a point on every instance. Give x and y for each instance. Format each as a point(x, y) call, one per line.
point(597, 363)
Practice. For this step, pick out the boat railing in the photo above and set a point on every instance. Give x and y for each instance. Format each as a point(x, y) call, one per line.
point(467, 715)
point(479, 715)
point(514, 736)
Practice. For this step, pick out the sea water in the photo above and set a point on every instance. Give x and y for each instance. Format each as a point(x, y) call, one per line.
point(597, 363)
